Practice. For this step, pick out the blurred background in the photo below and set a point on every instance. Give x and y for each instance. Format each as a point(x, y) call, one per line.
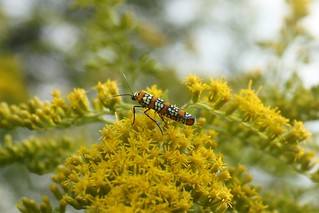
point(43, 42)
point(49, 44)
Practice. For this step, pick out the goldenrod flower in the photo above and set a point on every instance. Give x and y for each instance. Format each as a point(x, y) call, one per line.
point(300, 8)
point(136, 167)
point(79, 101)
point(106, 92)
point(195, 85)
point(219, 92)
point(59, 105)
point(154, 91)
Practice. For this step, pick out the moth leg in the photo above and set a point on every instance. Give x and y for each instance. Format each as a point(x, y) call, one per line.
point(162, 117)
point(145, 112)
point(134, 111)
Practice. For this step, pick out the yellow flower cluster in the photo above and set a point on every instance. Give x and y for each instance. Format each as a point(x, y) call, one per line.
point(300, 8)
point(106, 92)
point(28, 206)
point(138, 169)
point(245, 199)
point(135, 168)
point(277, 133)
point(196, 86)
point(280, 135)
point(219, 92)
point(36, 114)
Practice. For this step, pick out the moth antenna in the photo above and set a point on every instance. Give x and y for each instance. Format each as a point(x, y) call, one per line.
point(125, 94)
point(113, 96)
point(128, 85)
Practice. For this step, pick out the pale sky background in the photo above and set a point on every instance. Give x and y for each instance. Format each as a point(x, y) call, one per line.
point(209, 42)
point(266, 26)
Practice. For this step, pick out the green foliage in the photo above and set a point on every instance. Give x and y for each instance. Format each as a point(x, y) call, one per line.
point(38, 155)
point(12, 87)
point(208, 167)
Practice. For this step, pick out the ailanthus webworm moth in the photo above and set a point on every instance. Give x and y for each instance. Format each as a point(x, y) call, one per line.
point(163, 108)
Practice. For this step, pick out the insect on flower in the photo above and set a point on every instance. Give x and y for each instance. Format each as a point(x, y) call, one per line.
point(163, 108)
